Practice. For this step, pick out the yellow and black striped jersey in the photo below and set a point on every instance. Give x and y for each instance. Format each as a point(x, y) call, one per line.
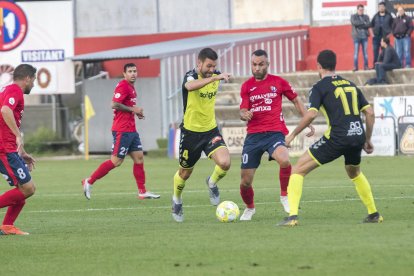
point(341, 101)
point(199, 113)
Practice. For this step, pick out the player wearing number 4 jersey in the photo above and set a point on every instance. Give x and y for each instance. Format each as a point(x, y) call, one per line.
point(126, 139)
point(15, 163)
point(261, 107)
point(199, 132)
point(341, 102)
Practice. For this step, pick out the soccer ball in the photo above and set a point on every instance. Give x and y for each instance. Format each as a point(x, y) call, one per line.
point(227, 211)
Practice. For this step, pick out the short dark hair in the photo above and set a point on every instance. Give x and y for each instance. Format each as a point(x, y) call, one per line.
point(24, 70)
point(386, 40)
point(126, 66)
point(207, 53)
point(381, 3)
point(259, 53)
point(360, 6)
point(327, 59)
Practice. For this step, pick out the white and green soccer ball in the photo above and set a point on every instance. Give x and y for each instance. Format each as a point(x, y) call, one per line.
point(227, 211)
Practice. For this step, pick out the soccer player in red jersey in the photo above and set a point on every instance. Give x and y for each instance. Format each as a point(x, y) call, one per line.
point(15, 163)
point(125, 137)
point(261, 107)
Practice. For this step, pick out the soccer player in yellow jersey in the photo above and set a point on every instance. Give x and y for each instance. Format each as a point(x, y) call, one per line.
point(342, 104)
point(199, 132)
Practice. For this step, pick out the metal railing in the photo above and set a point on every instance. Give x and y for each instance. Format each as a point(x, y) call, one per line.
point(284, 50)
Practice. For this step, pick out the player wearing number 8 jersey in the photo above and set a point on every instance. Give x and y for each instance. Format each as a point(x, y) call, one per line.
point(126, 139)
point(342, 104)
point(15, 163)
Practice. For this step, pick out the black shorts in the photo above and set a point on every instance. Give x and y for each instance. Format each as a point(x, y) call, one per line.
point(325, 150)
point(193, 143)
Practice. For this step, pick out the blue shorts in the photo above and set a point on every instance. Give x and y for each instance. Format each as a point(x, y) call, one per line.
point(256, 144)
point(124, 143)
point(14, 169)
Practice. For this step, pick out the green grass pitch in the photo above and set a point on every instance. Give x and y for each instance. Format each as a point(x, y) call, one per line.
point(116, 234)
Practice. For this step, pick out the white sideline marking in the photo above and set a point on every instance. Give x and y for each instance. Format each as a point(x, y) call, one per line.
point(199, 206)
point(226, 190)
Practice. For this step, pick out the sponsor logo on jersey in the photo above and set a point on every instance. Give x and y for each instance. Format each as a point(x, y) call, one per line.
point(262, 96)
point(252, 89)
point(12, 101)
point(209, 95)
point(268, 101)
point(261, 108)
point(355, 129)
point(13, 26)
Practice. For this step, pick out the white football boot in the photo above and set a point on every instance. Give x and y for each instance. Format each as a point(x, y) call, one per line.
point(248, 214)
point(86, 188)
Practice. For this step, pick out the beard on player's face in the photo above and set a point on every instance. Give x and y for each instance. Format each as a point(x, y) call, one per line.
point(207, 68)
point(29, 86)
point(259, 75)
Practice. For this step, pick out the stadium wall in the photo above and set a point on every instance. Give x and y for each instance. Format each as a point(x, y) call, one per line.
point(337, 38)
point(138, 17)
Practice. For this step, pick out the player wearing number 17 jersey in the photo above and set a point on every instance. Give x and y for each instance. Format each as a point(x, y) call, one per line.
point(126, 139)
point(15, 163)
point(342, 104)
point(261, 107)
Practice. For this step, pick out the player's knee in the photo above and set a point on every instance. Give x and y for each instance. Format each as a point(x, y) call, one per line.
point(225, 165)
point(28, 189)
point(284, 163)
point(246, 183)
point(117, 163)
point(184, 174)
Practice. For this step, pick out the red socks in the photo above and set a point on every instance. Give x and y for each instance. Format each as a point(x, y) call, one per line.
point(15, 199)
point(247, 195)
point(139, 175)
point(13, 212)
point(101, 171)
point(284, 175)
point(11, 197)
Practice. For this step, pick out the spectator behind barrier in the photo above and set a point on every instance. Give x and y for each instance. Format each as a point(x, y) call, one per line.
point(402, 28)
point(360, 26)
point(387, 61)
point(382, 27)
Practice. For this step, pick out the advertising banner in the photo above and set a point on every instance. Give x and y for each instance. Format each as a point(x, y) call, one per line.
point(383, 137)
point(41, 34)
point(335, 10)
point(406, 134)
point(394, 107)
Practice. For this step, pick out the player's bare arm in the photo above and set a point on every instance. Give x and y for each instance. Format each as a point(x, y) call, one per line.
point(245, 114)
point(306, 120)
point(8, 117)
point(369, 122)
point(300, 107)
point(199, 83)
point(135, 109)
